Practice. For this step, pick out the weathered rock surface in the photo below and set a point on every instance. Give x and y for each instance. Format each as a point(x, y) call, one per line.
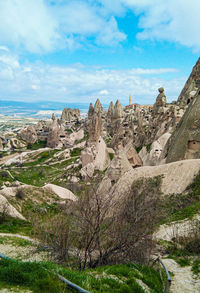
point(6, 207)
point(185, 141)
point(161, 99)
point(176, 177)
point(192, 86)
point(69, 115)
point(29, 134)
point(60, 192)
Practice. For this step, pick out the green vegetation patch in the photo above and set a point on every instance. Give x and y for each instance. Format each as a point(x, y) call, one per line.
point(39, 144)
point(14, 225)
point(75, 152)
point(30, 275)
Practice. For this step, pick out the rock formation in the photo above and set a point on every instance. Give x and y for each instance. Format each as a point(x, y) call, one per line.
point(161, 99)
point(29, 134)
point(98, 109)
point(90, 111)
point(192, 86)
point(69, 115)
point(185, 141)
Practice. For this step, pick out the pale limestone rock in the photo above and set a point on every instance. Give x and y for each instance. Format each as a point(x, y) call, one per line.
point(60, 192)
point(87, 171)
point(5, 206)
point(95, 129)
point(176, 177)
point(69, 115)
point(87, 156)
point(98, 109)
point(77, 135)
point(154, 157)
point(118, 166)
point(90, 111)
point(111, 110)
point(29, 134)
point(102, 159)
point(132, 156)
point(118, 110)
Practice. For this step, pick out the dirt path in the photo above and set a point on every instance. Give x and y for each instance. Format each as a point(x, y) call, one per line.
point(183, 280)
point(34, 241)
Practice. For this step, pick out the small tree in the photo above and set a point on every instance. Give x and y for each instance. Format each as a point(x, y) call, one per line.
point(101, 229)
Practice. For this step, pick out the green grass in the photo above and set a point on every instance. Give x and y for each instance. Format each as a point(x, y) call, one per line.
point(148, 147)
point(42, 157)
point(75, 152)
point(138, 149)
point(196, 267)
point(37, 145)
point(111, 156)
point(15, 241)
point(5, 177)
point(15, 226)
point(107, 279)
point(38, 176)
point(31, 276)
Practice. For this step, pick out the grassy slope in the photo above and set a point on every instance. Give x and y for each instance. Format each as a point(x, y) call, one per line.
point(112, 279)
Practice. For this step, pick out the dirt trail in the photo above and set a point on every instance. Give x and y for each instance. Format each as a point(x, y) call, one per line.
point(183, 280)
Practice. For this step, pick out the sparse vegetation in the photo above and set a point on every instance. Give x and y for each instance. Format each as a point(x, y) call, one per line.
point(37, 145)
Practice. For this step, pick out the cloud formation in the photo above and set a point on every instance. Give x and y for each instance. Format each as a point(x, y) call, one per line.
point(79, 83)
point(40, 26)
point(175, 21)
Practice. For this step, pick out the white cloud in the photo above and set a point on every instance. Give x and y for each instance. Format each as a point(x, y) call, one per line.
point(79, 83)
point(171, 20)
point(41, 26)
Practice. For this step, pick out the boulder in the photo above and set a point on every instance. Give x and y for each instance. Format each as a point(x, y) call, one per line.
point(102, 158)
point(132, 156)
point(61, 192)
point(29, 134)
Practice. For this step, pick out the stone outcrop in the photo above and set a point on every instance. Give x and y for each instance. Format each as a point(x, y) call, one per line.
point(155, 155)
point(192, 86)
point(95, 128)
point(98, 109)
point(29, 134)
point(132, 156)
point(161, 99)
point(69, 115)
point(90, 111)
point(185, 141)
point(118, 111)
point(176, 177)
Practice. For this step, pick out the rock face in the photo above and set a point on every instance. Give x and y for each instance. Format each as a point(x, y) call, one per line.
point(176, 177)
point(161, 99)
point(118, 110)
point(90, 111)
point(69, 115)
point(192, 86)
point(185, 141)
point(29, 134)
point(61, 192)
point(95, 128)
point(98, 109)
point(155, 156)
point(132, 156)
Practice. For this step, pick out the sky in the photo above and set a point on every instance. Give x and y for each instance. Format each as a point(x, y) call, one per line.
point(78, 51)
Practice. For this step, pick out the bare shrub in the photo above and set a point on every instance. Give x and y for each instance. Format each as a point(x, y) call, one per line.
point(100, 229)
point(3, 213)
point(20, 194)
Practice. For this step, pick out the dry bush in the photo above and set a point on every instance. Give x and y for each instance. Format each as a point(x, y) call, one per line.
point(3, 213)
point(98, 229)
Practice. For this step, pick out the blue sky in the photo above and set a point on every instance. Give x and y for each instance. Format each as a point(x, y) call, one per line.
point(77, 51)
